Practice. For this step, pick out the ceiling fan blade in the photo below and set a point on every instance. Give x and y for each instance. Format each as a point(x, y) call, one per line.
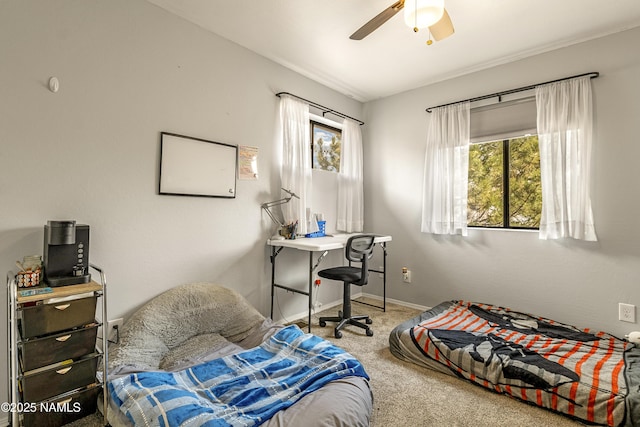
point(443, 28)
point(377, 21)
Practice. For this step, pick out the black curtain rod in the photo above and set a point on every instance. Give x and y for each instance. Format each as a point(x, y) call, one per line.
point(324, 109)
point(593, 75)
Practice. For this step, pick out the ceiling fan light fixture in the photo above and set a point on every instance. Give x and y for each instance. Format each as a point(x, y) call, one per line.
point(422, 13)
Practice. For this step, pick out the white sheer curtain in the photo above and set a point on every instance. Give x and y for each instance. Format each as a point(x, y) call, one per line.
point(350, 180)
point(564, 136)
point(446, 171)
point(293, 135)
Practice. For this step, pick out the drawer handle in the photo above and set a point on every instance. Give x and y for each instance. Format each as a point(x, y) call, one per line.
point(64, 371)
point(64, 338)
point(62, 307)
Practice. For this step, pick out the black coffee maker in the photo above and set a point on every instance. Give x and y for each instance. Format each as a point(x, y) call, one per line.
point(66, 253)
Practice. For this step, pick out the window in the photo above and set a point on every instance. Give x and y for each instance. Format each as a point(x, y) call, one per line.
point(504, 183)
point(325, 147)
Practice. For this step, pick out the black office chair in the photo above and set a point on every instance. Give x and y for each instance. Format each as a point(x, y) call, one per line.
point(359, 249)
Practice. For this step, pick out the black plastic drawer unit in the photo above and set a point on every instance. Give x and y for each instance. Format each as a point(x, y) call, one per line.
point(56, 379)
point(62, 409)
point(37, 352)
point(45, 319)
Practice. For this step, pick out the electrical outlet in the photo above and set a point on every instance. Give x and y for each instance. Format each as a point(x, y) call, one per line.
point(112, 325)
point(406, 275)
point(626, 312)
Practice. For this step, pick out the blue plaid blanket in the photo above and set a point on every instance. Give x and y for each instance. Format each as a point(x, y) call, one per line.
point(244, 389)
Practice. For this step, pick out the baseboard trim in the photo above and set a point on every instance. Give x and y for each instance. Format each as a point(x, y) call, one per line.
point(304, 315)
point(395, 301)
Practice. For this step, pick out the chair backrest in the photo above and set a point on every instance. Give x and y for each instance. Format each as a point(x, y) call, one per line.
point(359, 249)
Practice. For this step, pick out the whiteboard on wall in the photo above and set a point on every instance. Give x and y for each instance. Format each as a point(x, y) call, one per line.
point(197, 167)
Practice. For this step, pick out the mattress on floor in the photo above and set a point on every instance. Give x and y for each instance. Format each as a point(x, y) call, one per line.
point(588, 375)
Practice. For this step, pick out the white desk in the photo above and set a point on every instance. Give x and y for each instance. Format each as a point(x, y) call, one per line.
point(324, 245)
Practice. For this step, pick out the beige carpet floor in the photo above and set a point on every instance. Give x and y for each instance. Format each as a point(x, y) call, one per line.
point(406, 395)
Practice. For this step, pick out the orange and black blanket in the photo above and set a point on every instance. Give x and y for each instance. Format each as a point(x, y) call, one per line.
point(577, 372)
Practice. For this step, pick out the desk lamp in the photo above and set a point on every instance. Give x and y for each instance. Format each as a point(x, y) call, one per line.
point(267, 208)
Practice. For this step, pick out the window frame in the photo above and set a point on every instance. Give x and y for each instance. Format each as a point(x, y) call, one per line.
point(316, 122)
point(506, 215)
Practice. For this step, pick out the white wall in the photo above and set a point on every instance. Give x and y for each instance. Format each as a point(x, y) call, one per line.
point(129, 70)
point(575, 282)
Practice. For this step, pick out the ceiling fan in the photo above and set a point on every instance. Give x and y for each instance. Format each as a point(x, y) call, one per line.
point(429, 14)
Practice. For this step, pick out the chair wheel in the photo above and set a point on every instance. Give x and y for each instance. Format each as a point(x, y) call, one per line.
point(368, 321)
point(323, 323)
point(369, 332)
point(338, 334)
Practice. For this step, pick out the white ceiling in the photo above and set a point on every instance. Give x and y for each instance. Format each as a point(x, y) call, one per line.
point(311, 37)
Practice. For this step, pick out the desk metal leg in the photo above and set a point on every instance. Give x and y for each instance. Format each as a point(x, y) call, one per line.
point(274, 254)
point(384, 277)
point(311, 268)
point(274, 285)
point(273, 276)
point(384, 280)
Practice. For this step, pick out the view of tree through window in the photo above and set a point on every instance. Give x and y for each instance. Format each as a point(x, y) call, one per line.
point(504, 184)
point(326, 142)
